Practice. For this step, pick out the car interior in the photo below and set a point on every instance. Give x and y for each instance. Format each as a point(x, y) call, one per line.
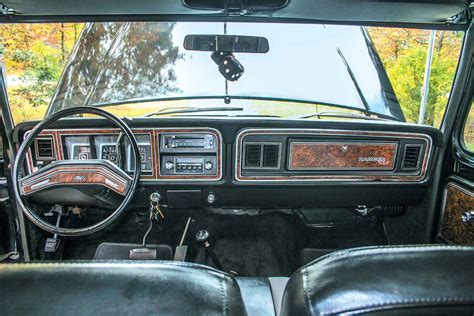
point(210, 209)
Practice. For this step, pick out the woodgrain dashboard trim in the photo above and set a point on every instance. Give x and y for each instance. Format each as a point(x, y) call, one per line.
point(342, 155)
point(74, 175)
point(456, 201)
point(154, 142)
point(295, 133)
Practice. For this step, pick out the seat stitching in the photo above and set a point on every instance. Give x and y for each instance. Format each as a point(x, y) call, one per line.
point(370, 250)
point(306, 291)
point(224, 296)
point(406, 302)
point(117, 264)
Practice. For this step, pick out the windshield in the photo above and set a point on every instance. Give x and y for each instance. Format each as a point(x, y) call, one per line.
point(120, 62)
point(142, 67)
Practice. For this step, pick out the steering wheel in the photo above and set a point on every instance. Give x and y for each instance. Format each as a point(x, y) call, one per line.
point(61, 173)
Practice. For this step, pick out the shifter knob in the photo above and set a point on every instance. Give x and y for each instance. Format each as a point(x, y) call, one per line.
point(202, 237)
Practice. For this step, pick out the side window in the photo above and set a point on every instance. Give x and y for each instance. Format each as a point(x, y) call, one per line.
point(469, 131)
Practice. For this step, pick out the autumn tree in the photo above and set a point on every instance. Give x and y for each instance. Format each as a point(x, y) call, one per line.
point(34, 56)
point(403, 52)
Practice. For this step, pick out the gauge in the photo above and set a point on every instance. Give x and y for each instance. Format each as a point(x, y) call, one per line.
point(109, 152)
point(81, 151)
point(145, 158)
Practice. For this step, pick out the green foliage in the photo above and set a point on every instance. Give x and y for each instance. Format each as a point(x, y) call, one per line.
point(47, 64)
point(35, 55)
point(403, 52)
point(22, 56)
point(469, 130)
point(407, 79)
point(39, 81)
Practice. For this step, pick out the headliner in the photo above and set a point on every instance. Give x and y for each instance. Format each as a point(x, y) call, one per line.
point(420, 12)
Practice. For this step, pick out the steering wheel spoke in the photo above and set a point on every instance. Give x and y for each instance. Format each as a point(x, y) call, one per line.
point(74, 173)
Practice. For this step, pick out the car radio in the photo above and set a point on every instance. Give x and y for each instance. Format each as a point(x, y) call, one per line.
point(204, 165)
point(188, 154)
point(195, 142)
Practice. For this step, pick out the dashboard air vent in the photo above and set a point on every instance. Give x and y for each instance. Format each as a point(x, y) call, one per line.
point(411, 157)
point(271, 156)
point(253, 153)
point(262, 155)
point(44, 148)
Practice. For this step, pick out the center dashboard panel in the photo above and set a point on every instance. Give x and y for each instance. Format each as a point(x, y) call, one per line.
point(188, 154)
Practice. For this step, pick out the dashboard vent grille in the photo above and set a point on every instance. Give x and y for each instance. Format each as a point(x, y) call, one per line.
point(271, 156)
point(262, 155)
point(44, 148)
point(253, 153)
point(411, 157)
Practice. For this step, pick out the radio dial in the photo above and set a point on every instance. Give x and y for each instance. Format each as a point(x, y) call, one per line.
point(169, 165)
point(208, 165)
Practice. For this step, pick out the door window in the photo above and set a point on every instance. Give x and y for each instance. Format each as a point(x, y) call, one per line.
point(469, 131)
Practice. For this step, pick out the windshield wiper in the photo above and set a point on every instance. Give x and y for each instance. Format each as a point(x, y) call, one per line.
point(167, 111)
point(342, 115)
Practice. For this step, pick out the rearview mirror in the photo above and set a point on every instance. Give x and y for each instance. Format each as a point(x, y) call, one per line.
point(226, 43)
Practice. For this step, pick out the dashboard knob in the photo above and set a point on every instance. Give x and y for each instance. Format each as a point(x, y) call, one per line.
point(202, 236)
point(169, 165)
point(208, 165)
point(211, 198)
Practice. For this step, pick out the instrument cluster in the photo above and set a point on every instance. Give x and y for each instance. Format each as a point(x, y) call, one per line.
point(109, 147)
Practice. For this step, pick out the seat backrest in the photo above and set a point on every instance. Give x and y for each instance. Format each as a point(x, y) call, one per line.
point(96, 288)
point(385, 280)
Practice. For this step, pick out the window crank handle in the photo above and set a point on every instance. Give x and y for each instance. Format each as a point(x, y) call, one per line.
point(467, 217)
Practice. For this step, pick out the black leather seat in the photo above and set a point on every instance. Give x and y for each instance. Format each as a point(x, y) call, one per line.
point(382, 280)
point(96, 288)
point(385, 280)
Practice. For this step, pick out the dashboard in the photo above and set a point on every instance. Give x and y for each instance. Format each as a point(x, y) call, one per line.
point(221, 162)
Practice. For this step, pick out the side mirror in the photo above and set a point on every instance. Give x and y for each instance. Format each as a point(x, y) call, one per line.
point(226, 43)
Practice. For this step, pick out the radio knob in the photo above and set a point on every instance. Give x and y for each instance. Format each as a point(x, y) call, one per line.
point(169, 165)
point(208, 165)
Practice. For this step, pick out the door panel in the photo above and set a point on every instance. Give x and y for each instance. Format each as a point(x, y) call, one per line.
point(456, 221)
point(458, 202)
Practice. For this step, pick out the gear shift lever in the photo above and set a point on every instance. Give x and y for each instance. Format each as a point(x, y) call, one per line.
point(205, 251)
